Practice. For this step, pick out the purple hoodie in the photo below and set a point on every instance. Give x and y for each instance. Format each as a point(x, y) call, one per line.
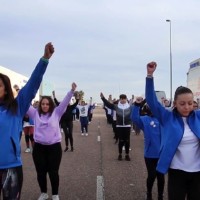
point(47, 129)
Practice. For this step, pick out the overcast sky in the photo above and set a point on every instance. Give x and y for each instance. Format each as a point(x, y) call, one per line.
point(103, 45)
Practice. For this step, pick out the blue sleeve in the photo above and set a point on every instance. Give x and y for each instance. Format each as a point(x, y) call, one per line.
point(156, 108)
point(28, 92)
point(135, 117)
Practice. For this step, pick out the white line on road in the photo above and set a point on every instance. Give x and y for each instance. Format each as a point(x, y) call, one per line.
point(100, 188)
point(99, 138)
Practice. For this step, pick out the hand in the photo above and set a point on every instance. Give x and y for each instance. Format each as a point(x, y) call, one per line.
point(151, 67)
point(48, 51)
point(53, 93)
point(74, 86)
point(76, 95)
point(101, 95)
point(139, 100)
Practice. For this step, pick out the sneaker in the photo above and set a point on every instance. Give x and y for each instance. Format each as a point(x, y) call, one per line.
point(66, 149)
point(120, 157)
point(86, 134)
point(82, 134)
point(127, 158)
point(28, 150)
point(55, 197)
point(43, 196)
point(72, 148)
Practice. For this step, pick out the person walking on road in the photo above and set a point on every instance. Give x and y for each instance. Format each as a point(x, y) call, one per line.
point(152, 142)
point(47, 151)
point(123, 123)
point(180, 148)
point(12, 111)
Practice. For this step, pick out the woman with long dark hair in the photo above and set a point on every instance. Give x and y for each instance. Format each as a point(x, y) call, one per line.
point(12, 111)
point(47, 150)
point(180, 148)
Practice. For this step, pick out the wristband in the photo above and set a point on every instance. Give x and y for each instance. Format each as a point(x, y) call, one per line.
point(45, 60)
point(149, 76)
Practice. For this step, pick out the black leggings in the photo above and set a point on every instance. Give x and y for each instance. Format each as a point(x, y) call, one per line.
point(68, 130)
point(183, 184)
point(47, 159)
point(11, 183)
point(151, 164)
point(124, 138)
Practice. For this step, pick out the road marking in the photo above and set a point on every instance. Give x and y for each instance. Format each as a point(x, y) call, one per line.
point(99, 138)
point(100, 188)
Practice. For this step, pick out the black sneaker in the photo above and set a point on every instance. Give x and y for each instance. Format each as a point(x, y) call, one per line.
point(120, 157)
point(127, 158)
point(66, 149)
point(72, 148)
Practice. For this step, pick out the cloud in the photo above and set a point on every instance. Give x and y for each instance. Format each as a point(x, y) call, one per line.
point(101, 45)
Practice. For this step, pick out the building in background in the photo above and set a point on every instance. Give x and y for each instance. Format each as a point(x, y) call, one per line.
point(46, 87)
point(193, 78)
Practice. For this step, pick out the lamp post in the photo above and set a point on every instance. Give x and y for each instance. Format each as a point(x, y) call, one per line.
point(170, 48)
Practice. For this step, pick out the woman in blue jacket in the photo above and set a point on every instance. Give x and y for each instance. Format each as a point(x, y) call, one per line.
point(152, 140)
point(180, 146)
point(12, 111)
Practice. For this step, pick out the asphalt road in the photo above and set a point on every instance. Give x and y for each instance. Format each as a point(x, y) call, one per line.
point(92, 171)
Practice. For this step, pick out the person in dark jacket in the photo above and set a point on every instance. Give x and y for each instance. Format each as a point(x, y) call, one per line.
point(123, 123)
point(66, 122)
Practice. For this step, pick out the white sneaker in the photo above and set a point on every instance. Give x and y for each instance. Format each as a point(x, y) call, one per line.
point(28, 150)
point(86, 134)
point(55, 197)
point(43, 196)
point(82, 134)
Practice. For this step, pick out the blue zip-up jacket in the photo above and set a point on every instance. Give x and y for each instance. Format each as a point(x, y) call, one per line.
point(172, 126)
point(151, 130)
point(11, 125)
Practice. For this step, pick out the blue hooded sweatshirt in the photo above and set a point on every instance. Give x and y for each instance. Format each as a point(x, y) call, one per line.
point(151, 130)
point(11, 124)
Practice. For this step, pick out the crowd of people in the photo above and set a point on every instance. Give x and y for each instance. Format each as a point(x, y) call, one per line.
point(41, 124)
point(171, 137)
point(171, 134)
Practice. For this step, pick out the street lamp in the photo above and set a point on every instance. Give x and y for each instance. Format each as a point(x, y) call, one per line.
point(170, 33)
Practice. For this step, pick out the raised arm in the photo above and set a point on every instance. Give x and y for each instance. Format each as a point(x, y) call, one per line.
point(157, 109)
point(64, 103)
point(54, 98)
point(106, 102)
point(135, 115)
point(28, 92)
